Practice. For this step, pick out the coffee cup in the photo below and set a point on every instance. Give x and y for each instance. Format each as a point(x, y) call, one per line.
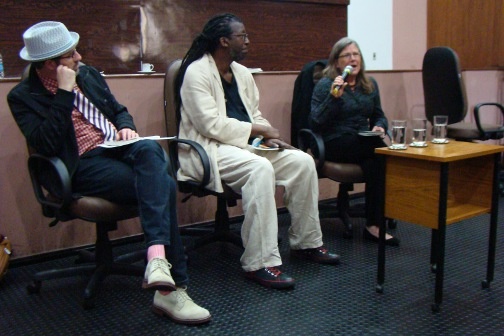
point(147, 67)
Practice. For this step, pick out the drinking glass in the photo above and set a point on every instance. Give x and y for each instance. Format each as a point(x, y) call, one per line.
point(440, 124)
point(398, 134)
point(419, 135)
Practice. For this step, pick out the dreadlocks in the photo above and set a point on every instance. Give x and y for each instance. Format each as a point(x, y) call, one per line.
point(206, 42)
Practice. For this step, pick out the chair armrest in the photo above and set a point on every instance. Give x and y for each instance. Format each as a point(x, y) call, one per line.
point(51, 174)
point(476, 112)
point(307, 139)
point(175, 165)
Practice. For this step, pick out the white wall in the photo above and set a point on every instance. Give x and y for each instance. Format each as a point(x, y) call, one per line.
point(370, 23)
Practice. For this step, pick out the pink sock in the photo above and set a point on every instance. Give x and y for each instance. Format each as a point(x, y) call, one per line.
point(155, 251)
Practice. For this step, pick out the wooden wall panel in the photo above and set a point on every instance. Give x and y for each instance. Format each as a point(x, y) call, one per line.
point(474, 29)
point(284, 35)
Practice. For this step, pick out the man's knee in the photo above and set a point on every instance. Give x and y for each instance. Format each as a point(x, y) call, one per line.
point(304, 161)
point(149, 148)
point(262, 166)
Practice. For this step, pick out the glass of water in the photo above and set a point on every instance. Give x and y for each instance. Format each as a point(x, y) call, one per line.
point(398, 134)
point(440, 125)
point(419, 136)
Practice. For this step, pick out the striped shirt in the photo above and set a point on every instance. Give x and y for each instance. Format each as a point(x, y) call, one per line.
point(88, 135)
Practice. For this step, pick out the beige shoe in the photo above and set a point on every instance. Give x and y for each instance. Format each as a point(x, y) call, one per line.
point(179, 307)
point(158, 276)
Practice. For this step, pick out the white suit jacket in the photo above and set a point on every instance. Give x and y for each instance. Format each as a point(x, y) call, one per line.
point(204, 119)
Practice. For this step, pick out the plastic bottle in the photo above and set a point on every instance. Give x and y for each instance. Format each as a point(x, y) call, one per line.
point(2, 74)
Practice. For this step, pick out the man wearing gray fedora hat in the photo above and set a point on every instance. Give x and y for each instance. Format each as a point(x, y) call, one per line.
point(66, 109)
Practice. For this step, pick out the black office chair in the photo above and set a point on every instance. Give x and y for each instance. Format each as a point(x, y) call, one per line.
point(445, 94)
point(346, 174)
point(221, 231)
point(58, 202)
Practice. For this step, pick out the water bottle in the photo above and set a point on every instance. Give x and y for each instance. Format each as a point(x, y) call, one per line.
point(1, 67)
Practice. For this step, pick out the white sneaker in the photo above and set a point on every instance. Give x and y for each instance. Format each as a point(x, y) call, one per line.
point(179, 307)
point(158, 276)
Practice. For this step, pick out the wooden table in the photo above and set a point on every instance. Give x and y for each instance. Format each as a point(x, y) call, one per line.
point(437, 186)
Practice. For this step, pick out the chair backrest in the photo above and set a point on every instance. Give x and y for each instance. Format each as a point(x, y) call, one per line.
point(171, 118)
point(301, 100)
point(444, 90)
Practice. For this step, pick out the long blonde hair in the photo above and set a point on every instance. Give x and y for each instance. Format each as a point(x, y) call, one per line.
point(332, 71)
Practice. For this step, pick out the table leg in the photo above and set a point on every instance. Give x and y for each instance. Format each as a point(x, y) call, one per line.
point(434, 243)
point(441, 236)
point(381, 220)
point(493, 225)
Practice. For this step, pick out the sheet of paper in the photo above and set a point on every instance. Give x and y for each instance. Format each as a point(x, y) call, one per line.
point(113, 144)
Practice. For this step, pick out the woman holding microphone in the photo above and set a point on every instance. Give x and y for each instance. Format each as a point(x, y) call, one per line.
point(346, 102)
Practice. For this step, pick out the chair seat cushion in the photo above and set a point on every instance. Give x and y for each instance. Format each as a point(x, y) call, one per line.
point(342, 172)
point(98, 209)
point(462, 130)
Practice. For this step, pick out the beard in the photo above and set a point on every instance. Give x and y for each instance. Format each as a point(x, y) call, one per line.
point(237, 56)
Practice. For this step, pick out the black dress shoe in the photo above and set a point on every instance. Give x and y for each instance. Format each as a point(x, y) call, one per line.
point(319, 255)
point(271, 277)
point(390, 242)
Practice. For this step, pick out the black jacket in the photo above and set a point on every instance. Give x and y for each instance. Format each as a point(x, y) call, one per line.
point(45, 119)
point(301, 100)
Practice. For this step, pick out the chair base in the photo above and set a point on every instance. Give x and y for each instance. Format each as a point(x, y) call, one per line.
point(98, 264)
point(98, 274)
point(221, 231)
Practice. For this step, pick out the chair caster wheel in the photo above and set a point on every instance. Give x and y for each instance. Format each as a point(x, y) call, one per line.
point(392, 223)
point(485, 284)
point(435, 307)
point(379, 289)
point(34, 288)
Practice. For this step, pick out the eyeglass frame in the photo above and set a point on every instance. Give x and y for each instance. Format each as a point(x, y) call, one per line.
point(71, 56)
point(349, 55)
point(244, 36)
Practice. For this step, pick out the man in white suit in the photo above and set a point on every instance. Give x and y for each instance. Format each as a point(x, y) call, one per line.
point(219, 109)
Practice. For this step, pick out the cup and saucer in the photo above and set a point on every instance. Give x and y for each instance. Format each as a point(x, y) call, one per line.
point(147, 68)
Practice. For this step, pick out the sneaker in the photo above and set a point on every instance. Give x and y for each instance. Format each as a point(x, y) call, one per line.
point(158, 276)
point(319, 255)
point(271, 277)
point(180, 308)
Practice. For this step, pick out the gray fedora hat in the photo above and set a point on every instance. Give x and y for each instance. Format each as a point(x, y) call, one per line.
point(46, 40)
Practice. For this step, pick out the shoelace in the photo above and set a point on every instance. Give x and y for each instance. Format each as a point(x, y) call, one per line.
point(161, 264)
point(182, 294)
point(274, 271)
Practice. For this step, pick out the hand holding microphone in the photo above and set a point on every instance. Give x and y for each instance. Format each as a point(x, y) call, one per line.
point(335, 91)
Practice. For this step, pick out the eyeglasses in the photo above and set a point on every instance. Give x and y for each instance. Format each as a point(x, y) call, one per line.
point(349, 55)
point(70, 56)
point(244, 36)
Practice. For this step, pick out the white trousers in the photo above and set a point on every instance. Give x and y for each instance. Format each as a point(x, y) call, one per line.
point(254, 174)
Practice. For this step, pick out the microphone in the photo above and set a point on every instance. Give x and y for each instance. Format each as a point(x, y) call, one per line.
point(348, 69)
